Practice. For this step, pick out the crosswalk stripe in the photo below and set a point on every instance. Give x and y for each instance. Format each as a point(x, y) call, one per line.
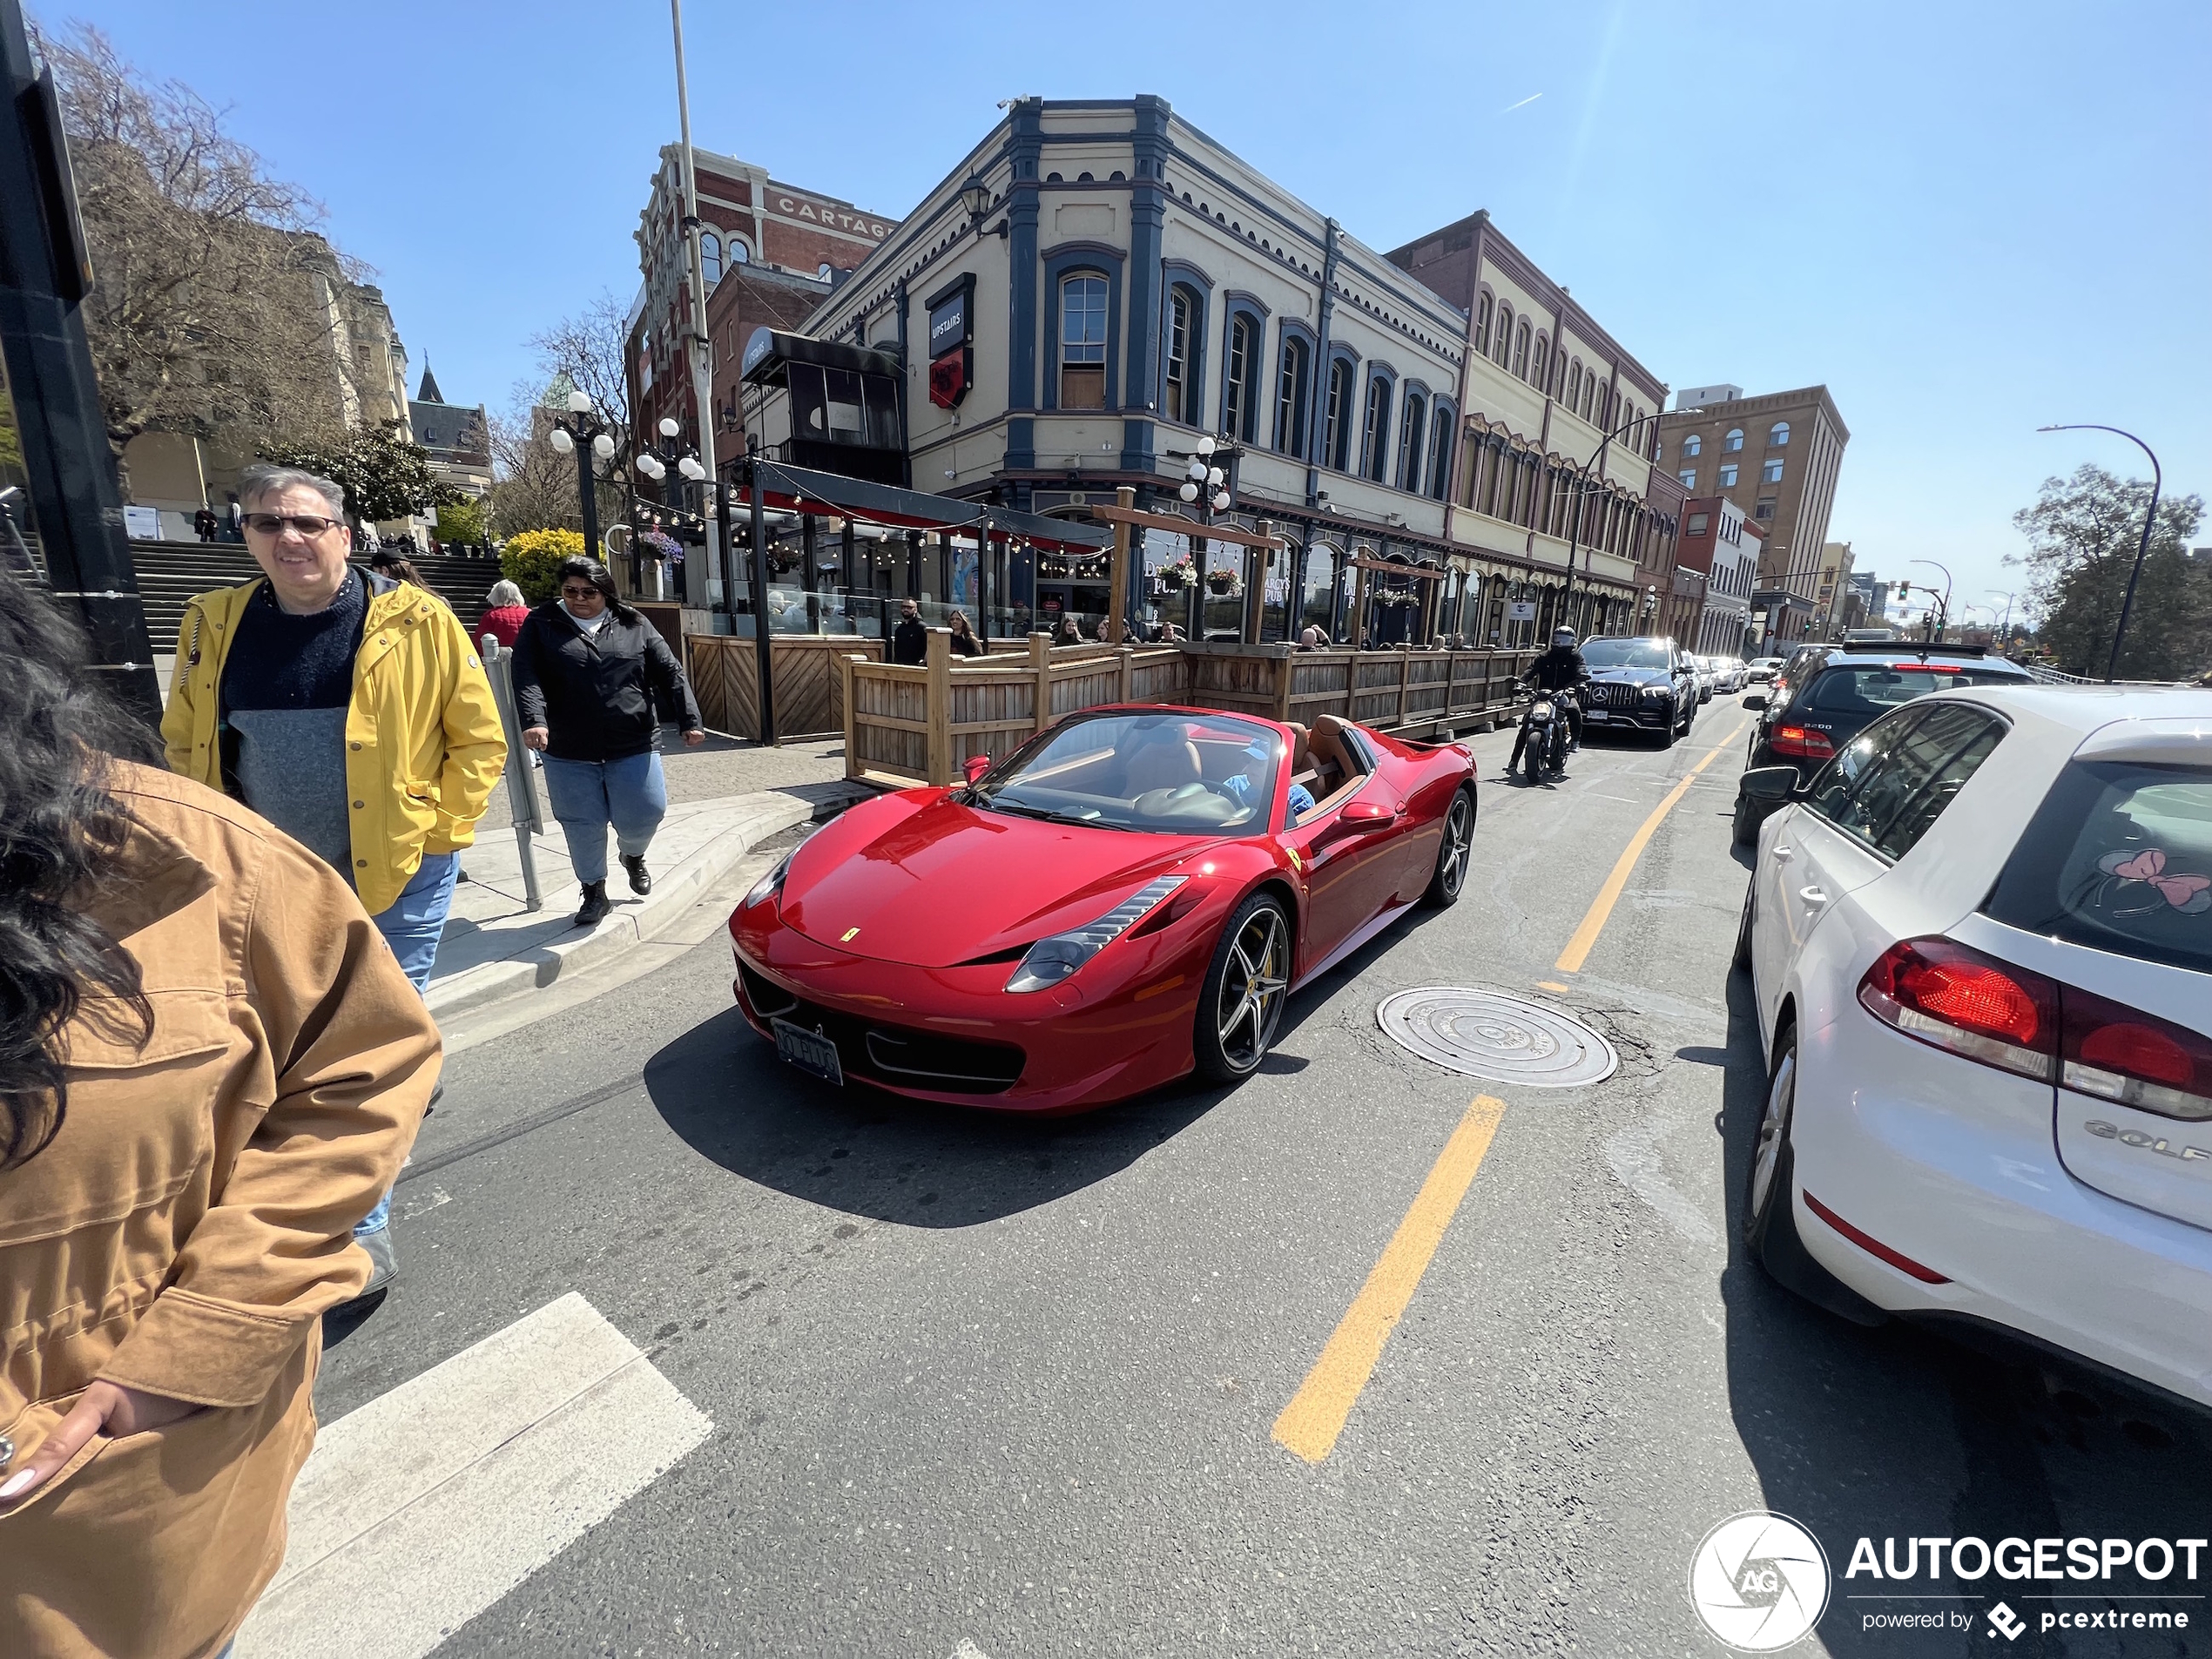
point(428, 1504)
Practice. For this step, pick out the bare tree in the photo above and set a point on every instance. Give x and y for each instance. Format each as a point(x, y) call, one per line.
point(534, 487)
point(212, 310)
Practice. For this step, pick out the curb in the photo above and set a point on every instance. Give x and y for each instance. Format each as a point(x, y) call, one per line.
point(476, 987)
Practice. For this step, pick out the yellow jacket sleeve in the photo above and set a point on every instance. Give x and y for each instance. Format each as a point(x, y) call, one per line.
point(176, 715)
point(476, 742)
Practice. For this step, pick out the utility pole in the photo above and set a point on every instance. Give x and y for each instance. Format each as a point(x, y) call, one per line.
point(702, 347)
point(45, 271)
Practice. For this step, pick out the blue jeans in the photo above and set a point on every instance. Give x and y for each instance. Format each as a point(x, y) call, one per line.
point(588, 795)
point(411, 926)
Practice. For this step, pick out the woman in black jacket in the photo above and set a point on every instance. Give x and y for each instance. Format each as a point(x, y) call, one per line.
point(592, 679)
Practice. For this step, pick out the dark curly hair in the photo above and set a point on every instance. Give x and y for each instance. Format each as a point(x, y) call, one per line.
point(60, 831)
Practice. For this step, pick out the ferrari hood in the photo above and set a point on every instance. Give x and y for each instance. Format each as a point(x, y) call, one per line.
point(930, 883)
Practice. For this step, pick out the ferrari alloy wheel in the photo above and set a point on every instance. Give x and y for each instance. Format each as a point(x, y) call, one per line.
point(1244, 991)
point(1457, 852)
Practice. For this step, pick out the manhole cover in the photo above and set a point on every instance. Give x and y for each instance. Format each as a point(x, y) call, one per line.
point(1505, 1038)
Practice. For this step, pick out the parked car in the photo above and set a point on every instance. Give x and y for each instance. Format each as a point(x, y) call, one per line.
point(1981, 949)
point(1728, 674)
point(1646, 684)
point(1708, 678)
point(1834, 691)
point(1761, 670)
point(1132, 895)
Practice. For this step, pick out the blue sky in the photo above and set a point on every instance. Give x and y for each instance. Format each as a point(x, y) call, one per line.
point(1968, 219)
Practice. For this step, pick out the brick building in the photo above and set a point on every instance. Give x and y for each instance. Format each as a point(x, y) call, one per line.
point(1722, 548)
point(795, 244)
point(1777, 456)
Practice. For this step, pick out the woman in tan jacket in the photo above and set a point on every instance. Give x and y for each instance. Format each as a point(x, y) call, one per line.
point(211, 1068)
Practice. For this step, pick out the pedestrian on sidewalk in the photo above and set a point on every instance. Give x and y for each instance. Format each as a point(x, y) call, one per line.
point(504, 614)
point(965, 643)
point(351, 712)
point(205, 524)
point(210, 1069)
point(593, 680)
point(398, 568)
point(909, 640)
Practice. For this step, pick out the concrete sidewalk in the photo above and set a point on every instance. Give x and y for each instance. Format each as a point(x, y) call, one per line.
point(494, 947)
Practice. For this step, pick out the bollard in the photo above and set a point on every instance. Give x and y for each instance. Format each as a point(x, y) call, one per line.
point(523, 802)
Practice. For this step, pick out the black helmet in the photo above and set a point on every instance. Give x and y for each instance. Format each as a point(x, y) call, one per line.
point(1562, 636)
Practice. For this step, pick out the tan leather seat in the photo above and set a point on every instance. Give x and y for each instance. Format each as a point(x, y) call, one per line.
point(1164, 763)
point(1330, 751)
point(1301, 750)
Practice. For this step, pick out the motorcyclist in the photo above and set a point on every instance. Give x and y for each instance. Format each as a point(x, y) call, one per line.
point(1560, 669)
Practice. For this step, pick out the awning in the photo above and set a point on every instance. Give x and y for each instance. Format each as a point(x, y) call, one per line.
point(768, 353)
point(801, 490)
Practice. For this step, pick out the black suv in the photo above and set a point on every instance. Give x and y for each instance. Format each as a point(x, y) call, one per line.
point(1828, 695)
point(1645, 685)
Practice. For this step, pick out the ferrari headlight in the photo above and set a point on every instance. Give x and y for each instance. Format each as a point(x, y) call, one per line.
point(1053, 959)
point(771, 884)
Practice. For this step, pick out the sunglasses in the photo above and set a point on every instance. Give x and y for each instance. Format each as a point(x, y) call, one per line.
point(581, 593)
point(275, 524)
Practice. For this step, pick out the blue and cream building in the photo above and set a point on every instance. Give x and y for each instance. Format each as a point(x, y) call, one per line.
point(1097, 285)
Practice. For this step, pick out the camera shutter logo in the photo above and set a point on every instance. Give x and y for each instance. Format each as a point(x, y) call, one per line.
point(1760, 1581)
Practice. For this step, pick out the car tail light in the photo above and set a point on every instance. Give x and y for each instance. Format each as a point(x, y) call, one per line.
point(2120, 1054)
point(1798, 740)
point(1945, 994)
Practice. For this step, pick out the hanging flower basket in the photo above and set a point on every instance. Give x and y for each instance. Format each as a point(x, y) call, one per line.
point(659, 544)
point(1223, 584)
point(1174, 578)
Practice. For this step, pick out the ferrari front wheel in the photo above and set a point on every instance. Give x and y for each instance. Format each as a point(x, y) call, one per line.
point(1242, 1003)
point(1457, 851)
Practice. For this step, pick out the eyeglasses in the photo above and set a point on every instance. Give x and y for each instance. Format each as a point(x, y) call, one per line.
point(581, 593)
point(275, 524)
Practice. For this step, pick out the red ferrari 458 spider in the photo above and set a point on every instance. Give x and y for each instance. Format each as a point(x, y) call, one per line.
point(1132, 895)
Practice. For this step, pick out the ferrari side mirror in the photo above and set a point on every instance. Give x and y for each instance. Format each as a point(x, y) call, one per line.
point(975, 766)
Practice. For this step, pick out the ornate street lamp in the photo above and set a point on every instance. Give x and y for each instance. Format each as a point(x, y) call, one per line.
point(586, 434)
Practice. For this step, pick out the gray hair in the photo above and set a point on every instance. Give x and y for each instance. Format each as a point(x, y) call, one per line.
point(503, 593)
point(264, 479)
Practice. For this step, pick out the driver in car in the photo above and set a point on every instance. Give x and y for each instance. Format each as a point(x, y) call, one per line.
point(1244, 784)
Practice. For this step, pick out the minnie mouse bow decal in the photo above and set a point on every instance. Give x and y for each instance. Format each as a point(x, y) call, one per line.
point(2191, 894)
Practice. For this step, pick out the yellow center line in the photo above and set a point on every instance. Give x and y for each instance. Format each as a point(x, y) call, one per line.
point(1578, 948)
point(1310, 1424)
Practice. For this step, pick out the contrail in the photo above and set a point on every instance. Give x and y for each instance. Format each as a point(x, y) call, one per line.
point(1510, 108)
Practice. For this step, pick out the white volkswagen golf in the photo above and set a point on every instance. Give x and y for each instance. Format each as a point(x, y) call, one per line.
point(1980, 945)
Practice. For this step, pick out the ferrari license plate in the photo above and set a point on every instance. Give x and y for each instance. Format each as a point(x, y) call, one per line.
point(809, 1050)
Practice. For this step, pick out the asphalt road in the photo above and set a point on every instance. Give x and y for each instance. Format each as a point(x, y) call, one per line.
point(1012, 1384)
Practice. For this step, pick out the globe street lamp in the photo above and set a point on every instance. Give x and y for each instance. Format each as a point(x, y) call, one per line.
point(655, 462)
point(1206, 491)
point(2150, 518)
point(587, 436)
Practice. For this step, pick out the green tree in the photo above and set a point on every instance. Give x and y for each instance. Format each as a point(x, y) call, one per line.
point(460, 523)
point(384, 476)
point(532, 561)
point(2082, 534)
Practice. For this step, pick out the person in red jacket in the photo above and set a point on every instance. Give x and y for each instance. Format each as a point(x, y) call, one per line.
point(504, 615)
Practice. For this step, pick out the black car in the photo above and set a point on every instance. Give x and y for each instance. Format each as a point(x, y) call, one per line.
point(1648, 683)
point(1828, 695)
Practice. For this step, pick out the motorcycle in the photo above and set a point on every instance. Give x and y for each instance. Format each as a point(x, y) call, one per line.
point(1545, 732)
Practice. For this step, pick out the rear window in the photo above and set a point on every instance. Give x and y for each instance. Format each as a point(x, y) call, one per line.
point(1868, 689)
point(2118, 858)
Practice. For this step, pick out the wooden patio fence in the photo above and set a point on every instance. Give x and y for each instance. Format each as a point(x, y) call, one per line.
point(906, 726)
point(809, 683)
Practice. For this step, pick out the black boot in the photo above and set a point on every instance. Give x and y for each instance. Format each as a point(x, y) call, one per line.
point(641, 879)
point(594, 905)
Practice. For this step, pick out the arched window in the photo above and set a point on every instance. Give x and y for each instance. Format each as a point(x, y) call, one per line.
point(1482, 326)
point(1573, 382)
point(709, 258)
point(1734, 441)
point(1521, 349)
point(1439, 455)
point(1410, 431)
point(1293, 392)
point(1336, 418)
point(1373, 453)
point(1503, 346)
point(739, 253)
point(1777, 435)
point(1239, 410)
point(1083, 343)
point(1589, 393)
point(1179, 399)
point(1691, 446)
point(1538, 364)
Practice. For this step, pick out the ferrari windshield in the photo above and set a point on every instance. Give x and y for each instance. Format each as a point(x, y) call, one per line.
point(1626, 653)
point(1168, 773)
